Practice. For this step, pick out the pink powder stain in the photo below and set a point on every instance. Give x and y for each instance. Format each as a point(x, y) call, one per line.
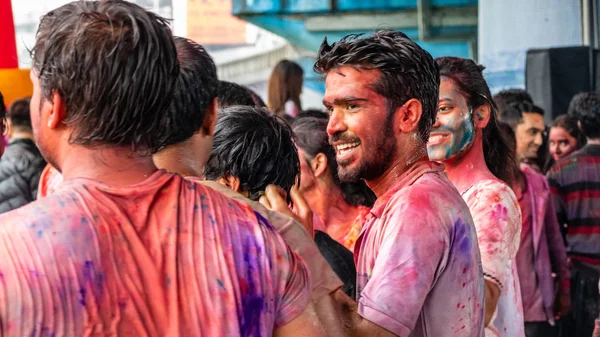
point(461, 328)
point(411, 275)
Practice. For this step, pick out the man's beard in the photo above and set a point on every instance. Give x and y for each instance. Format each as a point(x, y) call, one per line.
point(372, 166)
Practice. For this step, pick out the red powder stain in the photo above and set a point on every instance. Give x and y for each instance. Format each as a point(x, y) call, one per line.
point(461, 328)
point(458, 305)
point(464, 270)
point(463, 306)
point(464, 284)
point(243, 286)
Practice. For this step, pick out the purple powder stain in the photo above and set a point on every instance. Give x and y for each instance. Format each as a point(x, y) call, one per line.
point(82, 293)
point(253, 302)
point(463, 243)
point(93, 277)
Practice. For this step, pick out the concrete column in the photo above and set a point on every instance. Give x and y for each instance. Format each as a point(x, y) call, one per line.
point(508, 28)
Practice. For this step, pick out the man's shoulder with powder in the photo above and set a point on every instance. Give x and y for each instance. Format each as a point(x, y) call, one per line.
point(50, 211)
point(430, 199)
point(424, 190)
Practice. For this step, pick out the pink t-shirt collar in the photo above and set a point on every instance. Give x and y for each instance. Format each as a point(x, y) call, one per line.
point(406, 179)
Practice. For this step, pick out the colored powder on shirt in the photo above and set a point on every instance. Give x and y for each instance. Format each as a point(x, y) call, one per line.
point(139, 260)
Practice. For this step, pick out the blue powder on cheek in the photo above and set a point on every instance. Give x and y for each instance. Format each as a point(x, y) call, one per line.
point(463, 137)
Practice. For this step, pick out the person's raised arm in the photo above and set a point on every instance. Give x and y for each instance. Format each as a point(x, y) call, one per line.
point(307, 324)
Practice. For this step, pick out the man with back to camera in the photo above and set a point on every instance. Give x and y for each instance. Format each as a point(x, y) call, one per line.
point(575, 186)
point(122, 248)
point(381, 94)
point(22, 164)
point(190, 133)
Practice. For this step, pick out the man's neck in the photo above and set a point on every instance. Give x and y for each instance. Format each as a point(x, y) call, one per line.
point(399, 165)
point(468, 169)
point(21, 135)
point(182, 158)
point(113, 166)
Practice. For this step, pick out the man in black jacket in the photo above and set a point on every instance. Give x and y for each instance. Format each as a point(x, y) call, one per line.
point(22, 162)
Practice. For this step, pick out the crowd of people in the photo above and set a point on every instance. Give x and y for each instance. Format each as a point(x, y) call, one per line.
point(142, 196)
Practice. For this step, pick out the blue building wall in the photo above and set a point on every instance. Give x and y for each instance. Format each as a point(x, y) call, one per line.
point(286, 19)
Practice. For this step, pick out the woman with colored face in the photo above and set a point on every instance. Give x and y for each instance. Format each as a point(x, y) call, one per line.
point(453, 131)
point(478, 161)
point(565, 137)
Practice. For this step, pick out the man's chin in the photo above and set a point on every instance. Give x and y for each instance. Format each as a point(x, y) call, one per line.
point(348, 174)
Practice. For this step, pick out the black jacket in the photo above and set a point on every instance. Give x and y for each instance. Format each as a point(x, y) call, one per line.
point(20, 170)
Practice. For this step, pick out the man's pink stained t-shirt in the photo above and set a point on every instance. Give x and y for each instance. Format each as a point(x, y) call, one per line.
point(418, 263)
point(166, 257)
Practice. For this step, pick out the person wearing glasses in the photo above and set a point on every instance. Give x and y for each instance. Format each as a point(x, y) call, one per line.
point(477, 158)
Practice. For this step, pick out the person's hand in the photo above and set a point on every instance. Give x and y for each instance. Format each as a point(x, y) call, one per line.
point(562, 305)
point(274, 199)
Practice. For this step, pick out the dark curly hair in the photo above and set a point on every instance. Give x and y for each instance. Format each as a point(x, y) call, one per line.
point(114, 64)
point(585, 107)
point(255, 146)
point(407, 71)
point(468, 77)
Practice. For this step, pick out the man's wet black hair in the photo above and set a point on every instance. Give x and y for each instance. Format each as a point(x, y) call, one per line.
point(407, 70)
point(114, 65)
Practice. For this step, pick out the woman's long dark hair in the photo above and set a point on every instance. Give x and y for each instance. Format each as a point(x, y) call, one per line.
point(312, 138)
point(468, 77)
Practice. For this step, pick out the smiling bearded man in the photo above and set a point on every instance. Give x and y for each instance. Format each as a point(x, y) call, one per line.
point(417, 255)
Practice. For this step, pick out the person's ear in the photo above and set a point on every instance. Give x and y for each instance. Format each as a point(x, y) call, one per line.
point(319, 164)
point(408, 115)
point(210, 119)
point(231, 182)
point(9, 129)
point(481, 116)
point(53, 111)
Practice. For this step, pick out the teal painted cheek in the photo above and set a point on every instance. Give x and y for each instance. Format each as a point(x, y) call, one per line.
point(463, 137)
